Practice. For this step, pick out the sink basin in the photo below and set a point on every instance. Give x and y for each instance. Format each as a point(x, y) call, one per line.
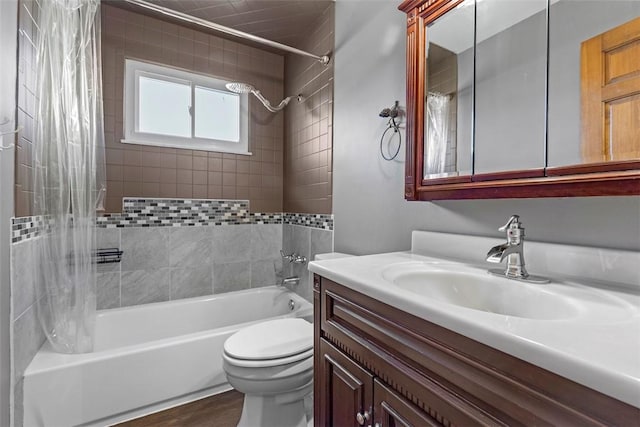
point(482, 292)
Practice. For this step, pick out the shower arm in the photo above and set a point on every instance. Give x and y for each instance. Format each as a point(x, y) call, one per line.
point(268, 105)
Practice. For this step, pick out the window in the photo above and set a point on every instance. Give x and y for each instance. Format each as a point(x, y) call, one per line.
point(167, 107)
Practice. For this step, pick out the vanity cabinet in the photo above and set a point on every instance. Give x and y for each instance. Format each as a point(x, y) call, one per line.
point(377, 365)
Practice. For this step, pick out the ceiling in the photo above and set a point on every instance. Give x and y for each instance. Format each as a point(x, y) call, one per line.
point(284, 21)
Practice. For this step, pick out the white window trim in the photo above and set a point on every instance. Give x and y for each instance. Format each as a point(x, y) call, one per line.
point(134, 69)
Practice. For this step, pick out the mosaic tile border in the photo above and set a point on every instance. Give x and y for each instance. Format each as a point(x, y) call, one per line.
point(140, 212)
point(323, 221)
point(26, 227)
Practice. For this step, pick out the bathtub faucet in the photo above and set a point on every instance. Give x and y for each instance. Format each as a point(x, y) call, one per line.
point(294, 257)
point(294, 280)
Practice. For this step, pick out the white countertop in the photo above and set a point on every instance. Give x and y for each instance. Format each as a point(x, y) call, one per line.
point(597, 345)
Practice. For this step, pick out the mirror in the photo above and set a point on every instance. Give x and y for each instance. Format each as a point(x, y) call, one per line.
point(551, 107)
point(448, 132)
point(510, 85)
point(594, 81)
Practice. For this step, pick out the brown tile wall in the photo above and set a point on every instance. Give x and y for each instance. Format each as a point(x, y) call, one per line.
point(144, 171)
point(308, 125)
point(26, 107)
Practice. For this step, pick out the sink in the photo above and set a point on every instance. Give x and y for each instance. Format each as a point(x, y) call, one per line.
point(477, 290)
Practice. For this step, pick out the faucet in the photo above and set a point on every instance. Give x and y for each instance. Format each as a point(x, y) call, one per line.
point(293, 257)
point(513, 251)
point(294, 280)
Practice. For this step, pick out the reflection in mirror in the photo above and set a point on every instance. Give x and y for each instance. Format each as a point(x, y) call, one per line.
point(449, 97)
point(594, 81)
point(510, 85)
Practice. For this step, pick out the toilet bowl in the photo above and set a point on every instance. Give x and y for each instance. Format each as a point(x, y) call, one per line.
point(272, 364)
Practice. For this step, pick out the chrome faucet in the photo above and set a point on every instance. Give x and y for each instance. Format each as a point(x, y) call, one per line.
point(294, 280)
point(513, 251)
point(293, 257)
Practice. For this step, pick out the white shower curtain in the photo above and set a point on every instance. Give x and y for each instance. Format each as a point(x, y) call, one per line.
point(435, 150)
point(69, 182)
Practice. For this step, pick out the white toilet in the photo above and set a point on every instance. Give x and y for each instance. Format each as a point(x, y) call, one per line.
point(272, 364)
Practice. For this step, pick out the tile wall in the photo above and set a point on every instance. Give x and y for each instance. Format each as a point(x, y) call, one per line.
point(162, 263)
point(27, 335)
point(28, 12)
point(306, 241)
point(145, 171)
point(308, 132)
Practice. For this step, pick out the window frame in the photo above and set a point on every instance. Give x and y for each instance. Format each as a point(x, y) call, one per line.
point(134, 69)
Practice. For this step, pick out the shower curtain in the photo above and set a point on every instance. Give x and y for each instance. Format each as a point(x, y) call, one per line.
point(435, 151)
point(69, 171)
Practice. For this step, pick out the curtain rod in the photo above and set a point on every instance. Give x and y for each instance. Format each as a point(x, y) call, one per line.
point(221, 28)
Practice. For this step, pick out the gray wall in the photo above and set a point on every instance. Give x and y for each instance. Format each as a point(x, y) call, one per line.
point(8, 34)
point(370, 213)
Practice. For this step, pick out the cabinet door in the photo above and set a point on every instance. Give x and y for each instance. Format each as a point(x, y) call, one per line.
point(346, 390)
point(392, 410)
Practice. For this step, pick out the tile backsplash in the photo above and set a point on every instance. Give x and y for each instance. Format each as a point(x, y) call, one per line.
point(181, 248)
point(162, 264)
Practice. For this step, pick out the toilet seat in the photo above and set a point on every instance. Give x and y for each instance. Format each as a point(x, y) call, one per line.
point(267, 363)
point(270, 343)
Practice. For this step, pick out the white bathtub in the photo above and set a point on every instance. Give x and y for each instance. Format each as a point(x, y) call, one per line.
point(147, 358)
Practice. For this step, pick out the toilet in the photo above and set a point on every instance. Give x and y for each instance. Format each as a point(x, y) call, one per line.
point(272, 364)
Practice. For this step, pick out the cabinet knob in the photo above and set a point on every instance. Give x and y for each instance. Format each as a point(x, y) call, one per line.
point(362, 418)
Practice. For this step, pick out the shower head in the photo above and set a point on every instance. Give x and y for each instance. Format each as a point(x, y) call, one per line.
point(239, 87)
point(242, 88)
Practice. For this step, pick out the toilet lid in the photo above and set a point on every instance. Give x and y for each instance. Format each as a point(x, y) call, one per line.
point(273, 339)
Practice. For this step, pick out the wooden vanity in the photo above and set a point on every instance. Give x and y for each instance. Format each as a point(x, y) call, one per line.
point(376, 365)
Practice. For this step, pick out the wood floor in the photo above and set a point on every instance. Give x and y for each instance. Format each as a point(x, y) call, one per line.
point(221, 410)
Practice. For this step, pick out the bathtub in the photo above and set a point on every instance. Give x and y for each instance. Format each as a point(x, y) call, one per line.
point(147, 358)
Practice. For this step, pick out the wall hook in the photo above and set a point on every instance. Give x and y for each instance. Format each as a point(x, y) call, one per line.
point(392, 113)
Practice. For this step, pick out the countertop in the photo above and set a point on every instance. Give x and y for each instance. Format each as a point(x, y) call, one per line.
point(598, 345)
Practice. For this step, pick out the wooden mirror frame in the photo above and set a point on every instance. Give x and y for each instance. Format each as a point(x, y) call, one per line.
point(593, 179)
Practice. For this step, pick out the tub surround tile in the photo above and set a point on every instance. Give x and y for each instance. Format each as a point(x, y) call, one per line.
point(145, 248)
point(190, 247)
point(306, 241)
point(23, 292)
point(26, 227)
point(230, 277)
point(190, 236)
point(266, 241)
point(266, 273)
point(28, 337)
point(108, 290)
point(145, 286)
point(191, 282)
point(299, 242)
point(323, 221)
point(321, 242)
point(177, 213)
point(231, 244)
point(108, 239)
